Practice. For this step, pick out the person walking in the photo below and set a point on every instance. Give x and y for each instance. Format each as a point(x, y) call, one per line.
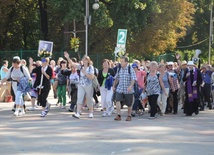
point(42, 83)
point(105, 79)
point(124, 86)
point(85, 88)
point(62, 84)
point(193, 79)
point(206, 73)
point(176, 86)
point(17, 73)
point(4, 69)
point(165, 82)
point(153, 88)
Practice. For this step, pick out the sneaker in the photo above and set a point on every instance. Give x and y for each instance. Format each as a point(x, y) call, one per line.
point(117, 118)
point(104, 114)
point(70, 110)
point(90, 115)
point(31, 109)
point(43, 114)
point(22, 112)
point(63, 107)
point(129, 118)
point(76, 115)
point(96, 105)
point(151, 117)
point(133, 114)
point(16, 113)
point(109, 113)
point(47, 108)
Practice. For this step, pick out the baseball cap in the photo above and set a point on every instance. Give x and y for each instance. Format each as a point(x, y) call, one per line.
point(134, 65)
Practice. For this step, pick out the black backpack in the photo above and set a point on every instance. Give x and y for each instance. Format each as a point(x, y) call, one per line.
point(21, 68)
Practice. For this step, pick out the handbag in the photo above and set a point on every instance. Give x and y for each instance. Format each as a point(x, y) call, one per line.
point(8, 96)
point(144, 97)
point(95, 83)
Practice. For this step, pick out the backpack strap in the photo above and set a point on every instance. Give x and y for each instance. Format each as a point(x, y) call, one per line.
point(129, 69)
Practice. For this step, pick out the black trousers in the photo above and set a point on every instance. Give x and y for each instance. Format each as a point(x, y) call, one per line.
point(153, 104)
point(73, 97)
point(42, 97)
point(206, 92)
point(175, 101)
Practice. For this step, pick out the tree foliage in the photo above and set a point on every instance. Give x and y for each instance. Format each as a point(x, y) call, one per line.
point(154, 26)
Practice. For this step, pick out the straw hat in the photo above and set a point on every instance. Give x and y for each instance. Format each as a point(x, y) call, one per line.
point(183, 63)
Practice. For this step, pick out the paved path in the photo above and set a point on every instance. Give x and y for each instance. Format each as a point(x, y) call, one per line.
point(60, 134)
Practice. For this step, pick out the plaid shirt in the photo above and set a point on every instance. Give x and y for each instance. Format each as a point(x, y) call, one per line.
point(124, 78)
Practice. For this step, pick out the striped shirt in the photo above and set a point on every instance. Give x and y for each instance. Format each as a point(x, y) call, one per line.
point(125, 78)
point(174, 77)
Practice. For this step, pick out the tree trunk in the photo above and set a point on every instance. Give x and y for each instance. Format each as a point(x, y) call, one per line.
point(44, 18)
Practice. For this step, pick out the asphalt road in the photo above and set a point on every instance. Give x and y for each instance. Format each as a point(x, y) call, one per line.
point(61, 134)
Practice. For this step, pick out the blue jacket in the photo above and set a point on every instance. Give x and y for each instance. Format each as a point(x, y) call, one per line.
point(23, 85)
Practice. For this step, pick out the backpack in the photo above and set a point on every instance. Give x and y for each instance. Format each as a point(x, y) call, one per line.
point(21, 68)
point(119, 67)
point(95, 82)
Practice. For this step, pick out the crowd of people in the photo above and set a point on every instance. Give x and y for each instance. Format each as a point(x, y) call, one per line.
point(159, 86)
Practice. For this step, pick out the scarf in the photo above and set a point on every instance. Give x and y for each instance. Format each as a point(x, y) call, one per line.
point(41, 81)
point(192, 90)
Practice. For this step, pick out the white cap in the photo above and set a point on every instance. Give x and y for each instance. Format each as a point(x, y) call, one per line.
point(190, 63)
point(170, 63)
point(16, 57)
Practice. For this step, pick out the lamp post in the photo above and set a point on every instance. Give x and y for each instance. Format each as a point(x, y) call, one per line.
point(88, 21)
point(211, 31)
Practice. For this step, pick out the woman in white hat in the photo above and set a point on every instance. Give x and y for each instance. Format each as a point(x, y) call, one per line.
point(193, 79)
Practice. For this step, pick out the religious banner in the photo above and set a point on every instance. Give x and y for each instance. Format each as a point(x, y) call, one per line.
point(45, 49)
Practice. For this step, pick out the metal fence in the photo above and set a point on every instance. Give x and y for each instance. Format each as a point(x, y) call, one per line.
point(26, 54)
point(96, 58)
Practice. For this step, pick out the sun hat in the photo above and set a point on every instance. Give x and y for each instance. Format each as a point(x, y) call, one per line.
point(183, 63)
point(190, 63)
point(170, 63)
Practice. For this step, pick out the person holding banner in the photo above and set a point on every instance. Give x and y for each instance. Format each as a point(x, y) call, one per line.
point(42, 83)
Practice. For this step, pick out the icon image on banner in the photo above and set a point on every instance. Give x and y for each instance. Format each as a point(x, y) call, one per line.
point(45, 49)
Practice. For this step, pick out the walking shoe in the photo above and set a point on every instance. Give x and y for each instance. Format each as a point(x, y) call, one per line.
point(63, 107)
point(117, 118)
point(31, 109)
point(129, 118)
point(133, 114)
point(43, 114)
point(90, 115)
point(76, 115)
point(210, 106)
point(16, 113)
point(96, 105)
point(104, 114)
point(109, 113)
point(22, 112)
point(70, 110)
point(151, 117)
point(47, 108)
